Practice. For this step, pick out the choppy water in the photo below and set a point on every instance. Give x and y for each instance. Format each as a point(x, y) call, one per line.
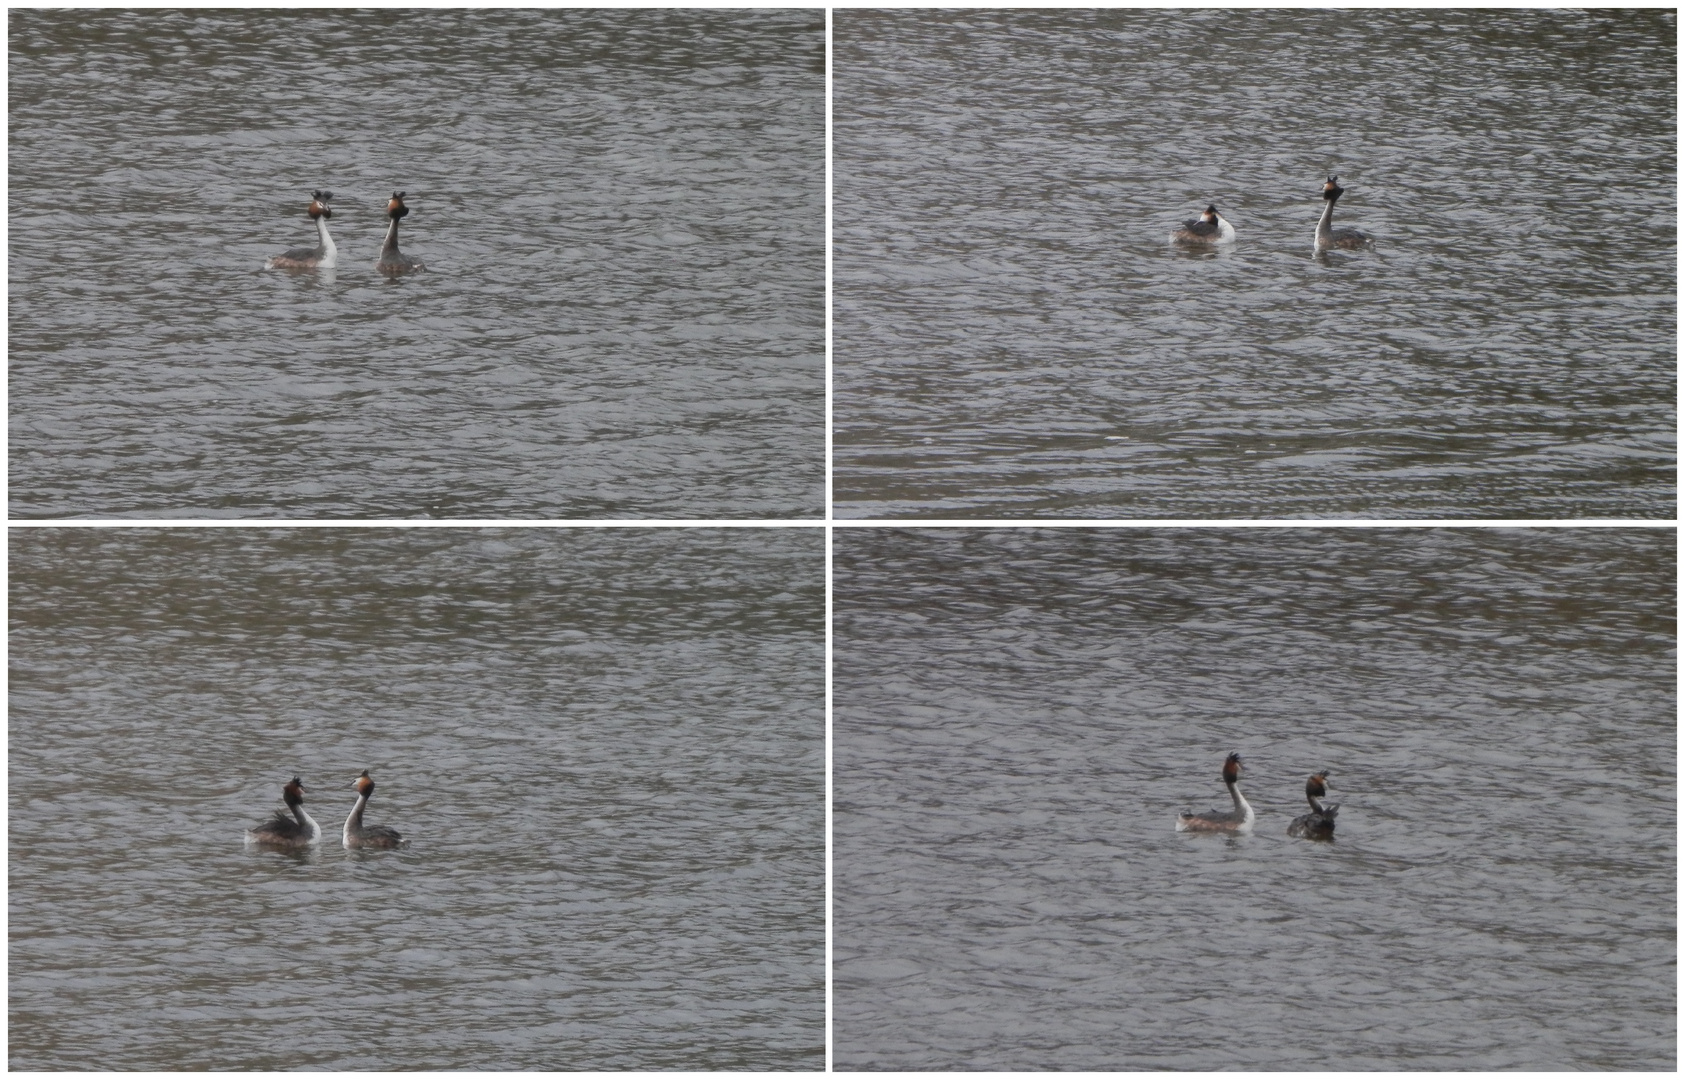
point(1020, 715)
point(1015, 337)
point(622, 215)
point(606, 746)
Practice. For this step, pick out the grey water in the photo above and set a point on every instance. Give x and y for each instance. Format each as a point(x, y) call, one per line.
point(606, 747)
point(1020, 716)
point(621, 214)
point(1015, 337)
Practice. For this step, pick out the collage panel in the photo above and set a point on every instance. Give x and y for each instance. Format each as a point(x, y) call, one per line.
point(598, 838)
point(608, 301)
point(1087, 264)
point(1445, 839)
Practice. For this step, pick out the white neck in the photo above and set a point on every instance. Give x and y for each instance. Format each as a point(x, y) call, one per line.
point(1241, 806)
point(305, 820)
point(391, 244)
point(354, 822)
point(329, 252)
point(1326, 225)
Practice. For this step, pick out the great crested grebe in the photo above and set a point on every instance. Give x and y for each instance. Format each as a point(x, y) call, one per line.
point(288, 832)
point(1319, 823)
point(393, 262)
point(1209, 230)
point(324, 256)
point(1329, 237)
point(1238, 820)
point(359, 835)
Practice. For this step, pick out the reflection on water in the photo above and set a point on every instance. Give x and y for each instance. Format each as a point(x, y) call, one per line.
point(606, 748)
point(1014, 336)
point(1021, 715)
point(622, 215)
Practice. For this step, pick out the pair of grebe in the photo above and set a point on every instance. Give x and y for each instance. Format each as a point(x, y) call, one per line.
point(301, 831)
point(325, 256)
point(1213, 230)
point(1316, 825)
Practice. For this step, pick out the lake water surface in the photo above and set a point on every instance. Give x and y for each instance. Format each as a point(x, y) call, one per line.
point(1020, 715)
point(607, 748)
point(621, 212)
point(1015, 337)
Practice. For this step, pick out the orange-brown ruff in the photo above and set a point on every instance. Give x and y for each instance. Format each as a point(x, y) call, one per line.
point(1319, 823)
point(324, 256)
point(1329, 237)
point(393, 262)
point(281, 831)
point(358, 835)
point(1238, 820)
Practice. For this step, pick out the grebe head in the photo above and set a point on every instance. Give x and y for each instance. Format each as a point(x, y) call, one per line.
point(319, 204)
point(1332, 190)
point(396, 208)
point(1231, 769)
point(293, 793)
point(1317, 784)
point(364, 784)
point(1210, 213)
